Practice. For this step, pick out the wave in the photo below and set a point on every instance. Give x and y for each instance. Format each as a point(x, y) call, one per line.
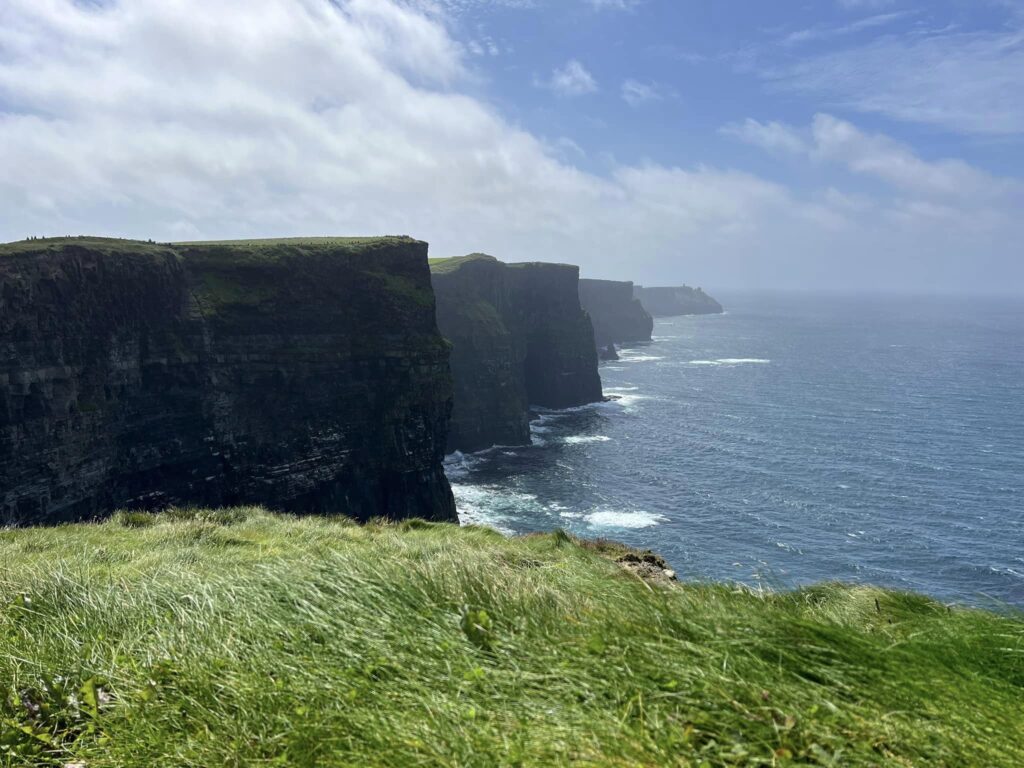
point(583, 439)
point(492, 506)
point(611, 518)
point(459, 465)
point(627, 358)
point(626, 402)
point(732, 361)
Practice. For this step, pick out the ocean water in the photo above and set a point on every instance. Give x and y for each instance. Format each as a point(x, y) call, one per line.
point(794, 440)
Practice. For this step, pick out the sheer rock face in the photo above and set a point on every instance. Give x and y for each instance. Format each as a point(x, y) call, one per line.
point(680, 300)
point(618, 317)
point(519, 337)
point(306, 376)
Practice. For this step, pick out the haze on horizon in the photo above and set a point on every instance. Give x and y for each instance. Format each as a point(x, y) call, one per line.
point(841, 145)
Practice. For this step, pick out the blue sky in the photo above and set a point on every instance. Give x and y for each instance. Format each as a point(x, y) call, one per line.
point(694, 67)
point(834, 144)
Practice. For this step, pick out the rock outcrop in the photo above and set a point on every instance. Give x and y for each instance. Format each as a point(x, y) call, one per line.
point(519, 338)
point(618, 317)
point(680, 300)
point(304, 375)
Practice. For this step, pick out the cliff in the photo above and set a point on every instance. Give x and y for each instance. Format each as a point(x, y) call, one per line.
point(617, 316)
point(305, 375)
point(681, 300)
point(519, 337)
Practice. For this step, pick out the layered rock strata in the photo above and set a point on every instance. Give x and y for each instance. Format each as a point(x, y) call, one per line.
point(305, 375)
point(519, 338)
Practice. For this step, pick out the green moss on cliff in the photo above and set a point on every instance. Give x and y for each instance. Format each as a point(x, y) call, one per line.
point(240, 638)
point(258, 248)
point(452, 263)
point(269, 246)
point(99, 244)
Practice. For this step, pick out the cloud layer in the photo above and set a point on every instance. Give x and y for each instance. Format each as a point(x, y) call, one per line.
point(244, 118)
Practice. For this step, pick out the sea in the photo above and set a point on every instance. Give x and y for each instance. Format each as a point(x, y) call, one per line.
point(795, 439)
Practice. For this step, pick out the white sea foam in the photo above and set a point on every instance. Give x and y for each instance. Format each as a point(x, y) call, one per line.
point(612, 518)
point(583, 439)
point(621, 389)
point(458, 465)
point(491, 506)
point(627, 402)
point(630, 358)
point(732, 361)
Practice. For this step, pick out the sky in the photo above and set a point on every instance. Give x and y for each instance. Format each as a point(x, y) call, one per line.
point(842, 145)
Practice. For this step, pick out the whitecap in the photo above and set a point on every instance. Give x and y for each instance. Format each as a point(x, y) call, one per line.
point(732, 361)
point(639, 358)
point(611, 518)
point(490, 505)
point(458, 465)
point(583, 439)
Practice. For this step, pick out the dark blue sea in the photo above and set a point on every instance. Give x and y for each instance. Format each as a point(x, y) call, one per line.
point(793, 440)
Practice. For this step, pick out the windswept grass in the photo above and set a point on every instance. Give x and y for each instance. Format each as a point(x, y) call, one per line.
point(240, 638)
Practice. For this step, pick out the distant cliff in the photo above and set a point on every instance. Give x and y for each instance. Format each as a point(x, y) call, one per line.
point(681, 300)
point(617, 316)
point(307, 375)
point(519, 337)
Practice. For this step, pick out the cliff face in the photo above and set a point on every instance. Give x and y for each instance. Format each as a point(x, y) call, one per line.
point(519, 337)
point(305, 375)
point(680, 300)
point(618, 317)
point(488, 354)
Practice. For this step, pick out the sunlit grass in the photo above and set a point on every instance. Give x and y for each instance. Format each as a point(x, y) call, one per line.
point(240, 638)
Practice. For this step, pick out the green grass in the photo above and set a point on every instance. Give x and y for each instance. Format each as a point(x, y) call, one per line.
point(241, 638)
point(104, 244)
point(447, 264)
point(254, 247)
point(352, 243)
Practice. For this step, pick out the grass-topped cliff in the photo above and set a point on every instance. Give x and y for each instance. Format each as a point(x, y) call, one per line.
point(240, 638)
point(306, 374)
point(519, 338)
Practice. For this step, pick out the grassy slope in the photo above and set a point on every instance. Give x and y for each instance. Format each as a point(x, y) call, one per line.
point(240, 638)
point(445, 264)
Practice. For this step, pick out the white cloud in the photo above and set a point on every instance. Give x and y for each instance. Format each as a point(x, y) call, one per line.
point(250, 118)
point(854, 5)
point(967, 82)
point(572, 80)
point(771, 136)
point(826, 32)
point(835, 141)
point(636, 93)
point(615, 5)
point(881, 157)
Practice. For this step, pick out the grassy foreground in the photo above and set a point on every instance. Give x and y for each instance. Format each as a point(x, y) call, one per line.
point(242, 638)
